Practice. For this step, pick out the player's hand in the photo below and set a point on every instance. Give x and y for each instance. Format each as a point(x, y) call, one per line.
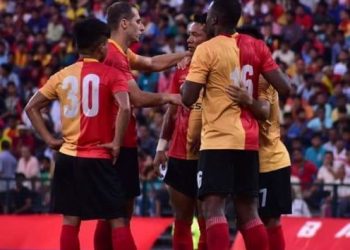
point(159, 159)
point(184, 62)
point(113, 148)
point(195, 146)
point(55, 144)
point(174, 99)
point(239, 94)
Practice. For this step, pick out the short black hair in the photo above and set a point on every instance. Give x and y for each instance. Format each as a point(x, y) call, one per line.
point(89, 33)
point(5, 145)
point(200, 18)
point(250, 31)
point(228, 12)
point(118, 11)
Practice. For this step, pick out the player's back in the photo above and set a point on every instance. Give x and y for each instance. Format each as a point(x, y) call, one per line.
point(85, 92)
point(229, 60)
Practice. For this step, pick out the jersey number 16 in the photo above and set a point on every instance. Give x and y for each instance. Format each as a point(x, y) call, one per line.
point(239, 77)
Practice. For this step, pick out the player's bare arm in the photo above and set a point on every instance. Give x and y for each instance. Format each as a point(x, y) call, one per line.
point(278, 80)
point(164, 137)
point(141, 98)
point(121, 123)
point(260, 108)
point(190, 92)
point(159, 63)
point(35, 104)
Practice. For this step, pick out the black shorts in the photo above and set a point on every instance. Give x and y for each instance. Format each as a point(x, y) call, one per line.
point(275, 193)
point(182, 176)
point(88, 188)
point(228, 172)
point(127, 167)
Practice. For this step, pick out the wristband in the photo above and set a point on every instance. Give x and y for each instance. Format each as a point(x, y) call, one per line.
point(162, 144)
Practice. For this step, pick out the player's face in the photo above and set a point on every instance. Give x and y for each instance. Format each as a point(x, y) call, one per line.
point(197, 35)
point(135, 26)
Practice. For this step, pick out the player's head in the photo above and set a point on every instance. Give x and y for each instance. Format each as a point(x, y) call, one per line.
point(124, 17)
point(91, 36)
point(196, 31)
point(223, 15)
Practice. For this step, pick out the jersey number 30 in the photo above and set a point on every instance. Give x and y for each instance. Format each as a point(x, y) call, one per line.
point(91, 82)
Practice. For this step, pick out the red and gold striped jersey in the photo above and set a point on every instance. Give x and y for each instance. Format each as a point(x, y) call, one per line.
point(116, 58)
point(85, 92)
point(187, 125)
point(273, 154)
point(217, 63)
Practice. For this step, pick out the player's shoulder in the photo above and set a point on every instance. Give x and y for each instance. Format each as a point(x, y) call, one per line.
point(73, 69)
point(249, 40)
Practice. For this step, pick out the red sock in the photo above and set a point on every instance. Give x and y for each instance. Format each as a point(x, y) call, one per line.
point(202, 244)
point(255, 235)
point(103, 236)
point(182, 239)
point(69, 238)
point(218, 237)
point(122, 239)
point(276, 238)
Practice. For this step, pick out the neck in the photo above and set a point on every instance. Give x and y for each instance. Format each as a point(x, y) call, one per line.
point(83, 56)
point(121, 40)
point(224, 30)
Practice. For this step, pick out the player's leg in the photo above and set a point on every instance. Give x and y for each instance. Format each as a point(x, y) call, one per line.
point(183, 208)
point(181, 179)
point(202, 243)
point(69, 239)
point(215, 179)
point(275, 200)
point(122, 238)
point(127, 171)
point(246, 172)
point(65, 200)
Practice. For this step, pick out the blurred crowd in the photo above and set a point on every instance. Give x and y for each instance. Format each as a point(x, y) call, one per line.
point(310, 40)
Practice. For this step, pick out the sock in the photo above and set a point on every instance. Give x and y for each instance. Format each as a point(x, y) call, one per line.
point(255, 235)
point(69, 238)
point(217, 233)
point(182, 239)
point(122, 239)
point(103, 236)
point(202, 244)
point(276, 238)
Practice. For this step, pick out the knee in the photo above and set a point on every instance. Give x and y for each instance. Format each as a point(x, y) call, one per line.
point(246, 209)
point(213, 207)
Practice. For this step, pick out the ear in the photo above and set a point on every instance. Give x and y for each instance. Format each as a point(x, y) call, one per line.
point(124, 23)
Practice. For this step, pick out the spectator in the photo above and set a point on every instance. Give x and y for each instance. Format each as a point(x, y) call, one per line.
point(4, 52)
point(320, 123)
point(55, 29)
point(284, 54)
point(299, 127)
point(28, 165)
point(305, 170)
point(8, 166)
point(342, 104)
point(146, 142)
point(316, 152)
point(292, 33)
point(339, 153)
point(148, 81)
point(332, 136)
point(302, 18)
point(7, 75)
point(20, 197)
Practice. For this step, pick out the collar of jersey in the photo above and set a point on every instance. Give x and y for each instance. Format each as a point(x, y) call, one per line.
point(229, 35)
point(117, 46)
point(87, 59)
